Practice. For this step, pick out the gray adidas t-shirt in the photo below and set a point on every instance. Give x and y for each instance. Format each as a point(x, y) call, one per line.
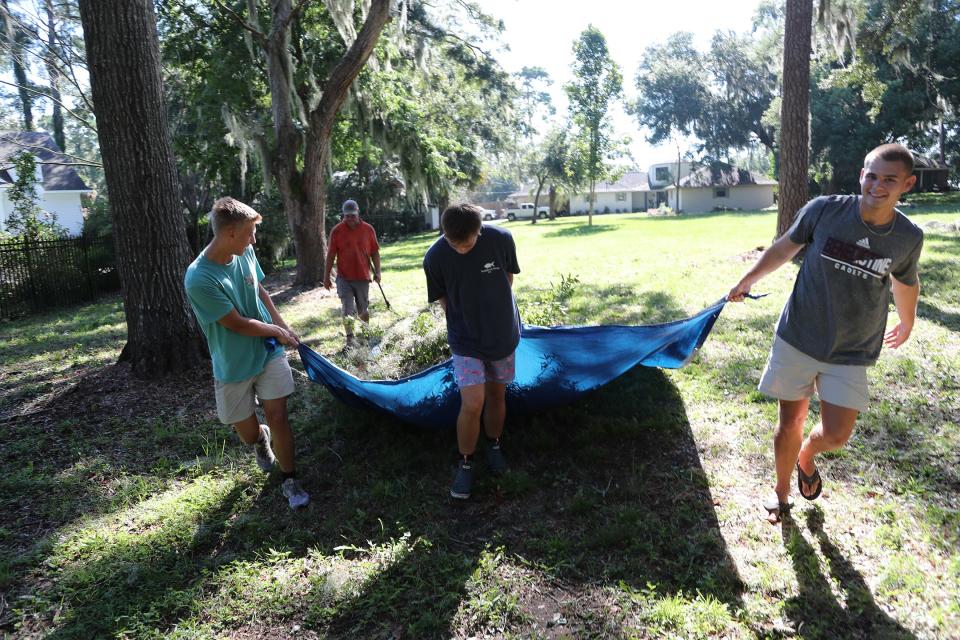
point(837, 312)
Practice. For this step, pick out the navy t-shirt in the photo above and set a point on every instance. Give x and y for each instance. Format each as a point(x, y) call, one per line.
point(482, 317)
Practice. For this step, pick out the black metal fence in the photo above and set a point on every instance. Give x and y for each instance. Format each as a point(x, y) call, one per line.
point(41, 274)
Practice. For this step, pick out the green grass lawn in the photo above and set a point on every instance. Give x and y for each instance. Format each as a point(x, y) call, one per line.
point(128, 511)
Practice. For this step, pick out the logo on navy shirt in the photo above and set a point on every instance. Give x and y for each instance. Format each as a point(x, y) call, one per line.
point(489, 267)
point(856, 259)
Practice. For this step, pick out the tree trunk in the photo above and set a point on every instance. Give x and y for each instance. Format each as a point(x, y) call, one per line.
point(54, 73)
point(304, 193)
point(152, 253)
point(536, 200)
point(16, 40)
point(552, 197)
point(795, 112)
point(943, 141)
point(590, 195)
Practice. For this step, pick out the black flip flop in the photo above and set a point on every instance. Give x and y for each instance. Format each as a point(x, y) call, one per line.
point(776, 508)
point(809, 480)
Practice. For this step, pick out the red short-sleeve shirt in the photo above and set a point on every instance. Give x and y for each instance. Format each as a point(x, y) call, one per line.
point(353, 248)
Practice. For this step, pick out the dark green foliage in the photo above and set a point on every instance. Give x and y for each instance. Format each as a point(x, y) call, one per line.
point(26, 220)
point(548, 308)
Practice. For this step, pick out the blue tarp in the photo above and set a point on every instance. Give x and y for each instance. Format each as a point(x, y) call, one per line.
point(554, 367)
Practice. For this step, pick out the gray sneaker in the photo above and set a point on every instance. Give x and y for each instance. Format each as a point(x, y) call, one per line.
point(296, 497)
point(496, 460)
point(463, 481)
point(265, 457)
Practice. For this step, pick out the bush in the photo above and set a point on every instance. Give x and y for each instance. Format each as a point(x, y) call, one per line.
point(548, 308)
point(97, 223)
point(273, 234)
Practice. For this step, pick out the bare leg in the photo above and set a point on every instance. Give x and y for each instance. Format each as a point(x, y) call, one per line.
point(786, 443)
point(836, 426)
point(283, 447)
point(495, 408)
point(468, 422)
point(248, 429)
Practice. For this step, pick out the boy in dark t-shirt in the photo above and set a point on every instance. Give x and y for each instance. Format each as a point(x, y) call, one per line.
point(831, 329)
point(470, 273)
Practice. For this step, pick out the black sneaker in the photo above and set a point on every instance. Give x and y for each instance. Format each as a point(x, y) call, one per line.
point(265, 457)
point(496, 460)
point(463, 481)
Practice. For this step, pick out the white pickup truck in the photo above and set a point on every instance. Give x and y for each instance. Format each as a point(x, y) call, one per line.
point(525, 210)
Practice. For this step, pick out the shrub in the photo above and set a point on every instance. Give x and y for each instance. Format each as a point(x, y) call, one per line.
point(26, 219)
point(548, 308)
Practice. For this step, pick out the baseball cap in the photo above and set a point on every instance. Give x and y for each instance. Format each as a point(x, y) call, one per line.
point(350, 206)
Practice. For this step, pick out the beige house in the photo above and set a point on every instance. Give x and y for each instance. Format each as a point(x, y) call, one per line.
point(721, 186)
point(702, 188)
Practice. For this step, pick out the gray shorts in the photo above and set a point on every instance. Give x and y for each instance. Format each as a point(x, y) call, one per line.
point(354, 296)
point(792, 375)
point(236, 401)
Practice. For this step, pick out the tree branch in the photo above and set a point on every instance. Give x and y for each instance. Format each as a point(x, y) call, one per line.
point(243, 22)
point(82, 161)
point(80, 119)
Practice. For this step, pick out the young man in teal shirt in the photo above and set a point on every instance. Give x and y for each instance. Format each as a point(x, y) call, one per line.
point(237, 316)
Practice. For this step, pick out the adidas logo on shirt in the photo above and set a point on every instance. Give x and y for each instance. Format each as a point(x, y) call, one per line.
point(865, 243)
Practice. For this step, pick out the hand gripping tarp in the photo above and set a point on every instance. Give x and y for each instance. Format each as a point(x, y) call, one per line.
point(554, 367)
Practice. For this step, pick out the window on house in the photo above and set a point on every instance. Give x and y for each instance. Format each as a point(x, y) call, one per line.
point(662, 174)
point(720, 192)
point(621, 197)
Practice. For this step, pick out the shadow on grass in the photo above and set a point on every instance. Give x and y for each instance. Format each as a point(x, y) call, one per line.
point(579, 230)
point(816, 611)
point(604, 491)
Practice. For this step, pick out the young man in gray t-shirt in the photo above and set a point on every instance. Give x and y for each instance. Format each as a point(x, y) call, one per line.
point(858, 248)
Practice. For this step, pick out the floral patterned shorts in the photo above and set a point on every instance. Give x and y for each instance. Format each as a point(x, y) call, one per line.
point(470, 371)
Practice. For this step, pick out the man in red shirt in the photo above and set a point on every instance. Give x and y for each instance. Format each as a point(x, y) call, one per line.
point(353, 243)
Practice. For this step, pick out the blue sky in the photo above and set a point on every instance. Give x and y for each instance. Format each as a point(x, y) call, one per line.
point(541, 33)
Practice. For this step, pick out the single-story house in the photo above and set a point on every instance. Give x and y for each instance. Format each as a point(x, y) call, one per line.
point(721, 186)
point(58, 185)
point(630, 193)
point(702, 188)
point(932, 175)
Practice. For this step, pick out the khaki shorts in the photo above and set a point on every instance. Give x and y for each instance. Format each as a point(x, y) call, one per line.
point(236, 401)
point(792, 375)
point(354, 296)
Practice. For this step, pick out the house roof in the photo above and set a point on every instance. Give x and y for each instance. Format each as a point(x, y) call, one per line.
point(630, 181)
point(924, 163)
point(721, 174)
point(56, 177)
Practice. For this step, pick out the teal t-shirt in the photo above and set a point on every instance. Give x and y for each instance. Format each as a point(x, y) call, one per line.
point(213, 290)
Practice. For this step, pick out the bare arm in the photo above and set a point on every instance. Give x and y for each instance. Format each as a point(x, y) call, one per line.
point(510, 278)
point(250, 327)
point(778, 254)
point(443, 303)
point(327, 268)
point(905, 299)
point(375, 258)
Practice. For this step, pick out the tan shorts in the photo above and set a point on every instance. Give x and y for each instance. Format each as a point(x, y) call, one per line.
point(792, 375)
point(354, 296)
point(236, 401)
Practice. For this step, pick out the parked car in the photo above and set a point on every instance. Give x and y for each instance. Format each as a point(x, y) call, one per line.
point(525, 210)
point(490, 214)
